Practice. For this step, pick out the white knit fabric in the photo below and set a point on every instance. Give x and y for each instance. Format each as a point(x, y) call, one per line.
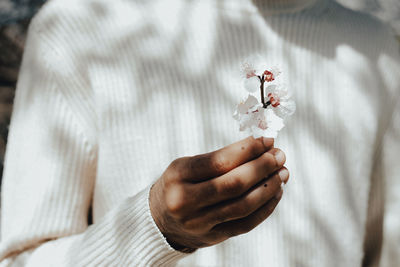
point(110, 92)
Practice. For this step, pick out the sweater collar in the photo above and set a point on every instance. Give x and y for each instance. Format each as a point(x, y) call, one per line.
point(273, 7)
point(284, 6)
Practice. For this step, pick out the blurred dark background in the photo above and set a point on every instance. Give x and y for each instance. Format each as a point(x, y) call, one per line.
point(15, 16)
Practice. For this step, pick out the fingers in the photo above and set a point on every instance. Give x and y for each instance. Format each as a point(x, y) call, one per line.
point(245, 205)
point(206, 166)
point(245, 225)
point(238, 208)
point(201, 201)
point(241, 179)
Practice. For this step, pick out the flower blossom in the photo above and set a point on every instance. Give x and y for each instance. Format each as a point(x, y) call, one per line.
point(265, 117)
point(281, 100)
point(256, 120)
point(252, 72)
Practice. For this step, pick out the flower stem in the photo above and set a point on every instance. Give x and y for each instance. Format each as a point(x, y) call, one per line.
point(262, 80)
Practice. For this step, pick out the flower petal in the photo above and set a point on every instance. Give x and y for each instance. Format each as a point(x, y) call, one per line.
point(251, 101)
point(247, 69)
point(251, 84)
point(286, 108)
point(260, 67)
point(276, 71)
point(273, 121)
point(270, 133)
point(272, 88)
point(257, 132)
point(250, 114)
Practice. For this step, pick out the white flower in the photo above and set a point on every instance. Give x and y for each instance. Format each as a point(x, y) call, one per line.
point(276, 71)
point(245, 106)
point(263, 117)
point(281, 100)
point(248, 70)
point(254, 70)
point(251, 84)
point(274, 122)
point(256, 120)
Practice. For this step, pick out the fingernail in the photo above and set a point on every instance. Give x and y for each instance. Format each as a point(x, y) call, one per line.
point(280, 157)
point(284, 175)
point(278, 196)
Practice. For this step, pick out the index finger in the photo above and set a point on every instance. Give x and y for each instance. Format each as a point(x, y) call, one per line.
point(213, 164)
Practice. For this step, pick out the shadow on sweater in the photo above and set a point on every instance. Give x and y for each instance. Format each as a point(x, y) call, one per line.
point(332, 28)
point(167, 63)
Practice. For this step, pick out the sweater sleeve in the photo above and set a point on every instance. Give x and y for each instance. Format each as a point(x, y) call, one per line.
point(388, 166)
point(382, 231)
point(382, 243)
point(50, 170)
point(390, 255)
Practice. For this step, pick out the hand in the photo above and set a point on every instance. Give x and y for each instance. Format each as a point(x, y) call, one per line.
point(203, 200)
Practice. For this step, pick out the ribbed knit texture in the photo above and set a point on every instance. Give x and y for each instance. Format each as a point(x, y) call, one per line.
point(111, 92)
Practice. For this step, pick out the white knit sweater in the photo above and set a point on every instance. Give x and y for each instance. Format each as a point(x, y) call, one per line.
point(110, 92)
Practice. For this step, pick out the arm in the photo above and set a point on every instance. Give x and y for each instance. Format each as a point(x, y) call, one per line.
point(50, 173)
point(382, 236)
point(388, 164)
point(50, 170)
point(391, 172)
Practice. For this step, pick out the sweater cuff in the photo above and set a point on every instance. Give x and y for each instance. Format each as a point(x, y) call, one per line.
point(148, 244)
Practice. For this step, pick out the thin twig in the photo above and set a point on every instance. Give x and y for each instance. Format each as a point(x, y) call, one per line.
point(262, 80)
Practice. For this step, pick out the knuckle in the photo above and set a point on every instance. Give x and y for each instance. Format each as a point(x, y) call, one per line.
point(220, 217)
point(269, 142)
point(267, 158)
point(210, 190)
point(199, 162)
point(241, 209)
point(224, 216)
point(233, 186)
point(175, 164)
point(276, 182)
point(219, 163)
point(256, 147)
point(233, 212)
point(273, 162)
point(175, 170)
point(175, 200)
point(268, 161)
point(171, 176)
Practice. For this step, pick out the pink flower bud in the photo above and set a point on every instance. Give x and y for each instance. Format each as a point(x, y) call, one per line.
point(269, 76)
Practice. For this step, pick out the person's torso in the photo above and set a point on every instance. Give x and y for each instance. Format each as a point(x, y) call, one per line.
point(171, 85)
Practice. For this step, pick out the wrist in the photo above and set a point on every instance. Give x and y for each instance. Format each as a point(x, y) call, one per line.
point(159, 223)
